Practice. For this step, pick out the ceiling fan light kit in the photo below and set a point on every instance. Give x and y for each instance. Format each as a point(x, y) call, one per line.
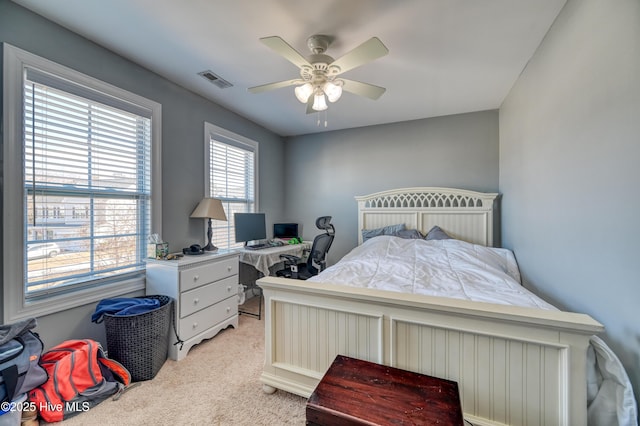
point(333, 91)
point(318, 72)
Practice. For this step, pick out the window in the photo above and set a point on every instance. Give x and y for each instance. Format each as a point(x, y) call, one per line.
point(81, 188)
point(231, 177)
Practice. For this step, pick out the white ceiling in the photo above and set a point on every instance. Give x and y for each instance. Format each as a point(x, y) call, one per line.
point(445, 56)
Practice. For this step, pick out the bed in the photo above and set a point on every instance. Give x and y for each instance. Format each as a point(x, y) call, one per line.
point(514, 364)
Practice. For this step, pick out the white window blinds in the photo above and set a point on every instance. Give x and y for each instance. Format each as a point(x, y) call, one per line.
point(87, 185)
point(232, 180)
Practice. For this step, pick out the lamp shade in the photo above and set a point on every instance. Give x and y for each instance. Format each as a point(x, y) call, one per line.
point(210, 208)
point(333, 90)
point(303, 92)
point(319, 103)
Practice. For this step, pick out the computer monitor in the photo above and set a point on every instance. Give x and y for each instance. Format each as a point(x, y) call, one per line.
point(285, 230)
point(250, 227)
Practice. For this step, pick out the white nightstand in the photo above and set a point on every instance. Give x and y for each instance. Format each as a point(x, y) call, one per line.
point(205, 291)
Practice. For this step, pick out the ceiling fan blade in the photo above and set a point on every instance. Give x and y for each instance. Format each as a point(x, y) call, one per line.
point(363, 89)
point(283, 48)
point(366, 52)
point(310, 105)
point(272, 86)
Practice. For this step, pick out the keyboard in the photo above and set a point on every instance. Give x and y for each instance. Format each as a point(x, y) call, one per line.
point(257, 246)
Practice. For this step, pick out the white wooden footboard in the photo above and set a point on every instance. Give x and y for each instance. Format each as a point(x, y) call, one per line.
point(513, 365)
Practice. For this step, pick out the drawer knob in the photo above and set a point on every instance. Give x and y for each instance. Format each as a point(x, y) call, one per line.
point(196, 301)
point(229, 268)
point(196, 277)
point(228, 288)
point(228, 308)
point(195, 325)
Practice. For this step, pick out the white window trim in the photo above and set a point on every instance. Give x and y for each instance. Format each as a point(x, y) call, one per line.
point(15, 306)
point(211, 131)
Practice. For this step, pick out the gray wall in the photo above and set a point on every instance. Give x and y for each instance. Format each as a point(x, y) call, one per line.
point(569, 173)
point(325, 171)
point(183, 116)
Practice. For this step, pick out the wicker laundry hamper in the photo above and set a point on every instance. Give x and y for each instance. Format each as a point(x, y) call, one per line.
point(140, 342)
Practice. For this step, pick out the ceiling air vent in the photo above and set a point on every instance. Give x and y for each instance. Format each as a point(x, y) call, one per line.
point(215, 79)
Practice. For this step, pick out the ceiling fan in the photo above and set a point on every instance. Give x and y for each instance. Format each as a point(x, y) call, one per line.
point(319, 72)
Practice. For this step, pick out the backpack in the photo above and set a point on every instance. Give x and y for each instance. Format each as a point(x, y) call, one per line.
point(20, 351)
point(80, 377)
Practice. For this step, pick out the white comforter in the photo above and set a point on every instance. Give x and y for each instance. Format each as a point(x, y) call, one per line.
point(446, 268)
point(457, 269)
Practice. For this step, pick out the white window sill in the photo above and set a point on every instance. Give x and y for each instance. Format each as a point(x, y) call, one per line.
point(62, 302)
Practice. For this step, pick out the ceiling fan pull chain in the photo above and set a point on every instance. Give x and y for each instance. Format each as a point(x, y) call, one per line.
point(325, 118)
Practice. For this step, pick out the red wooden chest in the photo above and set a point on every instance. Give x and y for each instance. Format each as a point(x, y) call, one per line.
point(356, 392)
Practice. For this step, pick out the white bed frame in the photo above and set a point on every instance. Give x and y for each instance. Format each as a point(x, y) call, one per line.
point(513, 365)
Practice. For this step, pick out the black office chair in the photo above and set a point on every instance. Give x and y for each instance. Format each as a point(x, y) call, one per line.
point(316, 261)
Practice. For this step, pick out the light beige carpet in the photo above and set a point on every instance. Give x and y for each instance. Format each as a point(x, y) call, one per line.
point(216, 384)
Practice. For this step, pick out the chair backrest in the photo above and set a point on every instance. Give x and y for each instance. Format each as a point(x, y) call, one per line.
point(321, 245)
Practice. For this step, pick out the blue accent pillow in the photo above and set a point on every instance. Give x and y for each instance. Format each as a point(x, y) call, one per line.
point(410, 234)
point(386, 230)
point(436, 233)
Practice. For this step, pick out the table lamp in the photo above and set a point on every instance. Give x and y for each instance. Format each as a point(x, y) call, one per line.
point(210, 208)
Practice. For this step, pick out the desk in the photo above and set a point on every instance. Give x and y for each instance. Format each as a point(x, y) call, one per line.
point(263, 259)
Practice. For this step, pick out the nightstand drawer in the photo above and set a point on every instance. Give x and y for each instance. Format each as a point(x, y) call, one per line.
point(199, 298)
point(207, 318)
point(200, 275)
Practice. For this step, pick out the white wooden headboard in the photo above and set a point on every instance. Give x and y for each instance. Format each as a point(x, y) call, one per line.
point(465, 215)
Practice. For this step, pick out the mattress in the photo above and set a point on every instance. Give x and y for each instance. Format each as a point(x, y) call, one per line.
point(444, 268)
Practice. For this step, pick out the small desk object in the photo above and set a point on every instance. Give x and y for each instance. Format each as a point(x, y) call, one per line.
point(263, 259)
point(356, 392)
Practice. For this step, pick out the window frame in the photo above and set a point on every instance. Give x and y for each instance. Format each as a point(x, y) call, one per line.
point(211, 131)
point(16, 306)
